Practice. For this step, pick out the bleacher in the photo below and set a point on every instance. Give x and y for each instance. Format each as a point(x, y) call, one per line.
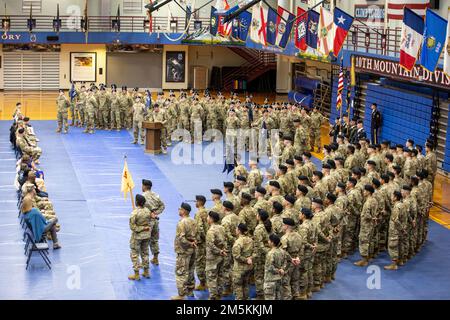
point(303, 92)
point(405, 115)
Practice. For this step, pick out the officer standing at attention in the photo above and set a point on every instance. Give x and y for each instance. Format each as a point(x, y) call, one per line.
point(156, 207)
point(140, 238)
point(63, 110)
point(375, 123)
point(242, 257)
point(185, 245)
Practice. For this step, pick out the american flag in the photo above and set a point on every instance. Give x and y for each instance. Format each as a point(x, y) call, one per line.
point(395, 8)
point(340, 88)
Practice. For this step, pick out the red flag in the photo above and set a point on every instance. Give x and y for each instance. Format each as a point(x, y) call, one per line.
point(300, 29)
point(340, 88)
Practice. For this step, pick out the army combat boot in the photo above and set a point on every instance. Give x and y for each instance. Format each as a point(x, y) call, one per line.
point(201, 286)
point(134, 276)
point(155, 260)
point(392, 266)
point(146, 273)
point(178, 298)
point(362, 263)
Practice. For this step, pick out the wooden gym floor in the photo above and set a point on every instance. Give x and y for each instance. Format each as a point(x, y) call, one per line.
point(41, 105)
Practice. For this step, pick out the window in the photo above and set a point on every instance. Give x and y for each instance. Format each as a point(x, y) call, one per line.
point(132, 6)
point(37, 6)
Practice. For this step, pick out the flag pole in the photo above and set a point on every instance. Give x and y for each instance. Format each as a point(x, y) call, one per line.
point(128, 184)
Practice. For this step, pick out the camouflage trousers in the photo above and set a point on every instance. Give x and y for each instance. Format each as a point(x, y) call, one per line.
point(413, 239)
point(258, 271)
point(115, 119)
point(306, 276)
point(138, 131)
point(332, 257)
point(314, 138)
point(241, 282)
point(227, 271)
point(374, 240)
point(103, 118)
point(73, 113)
point(154, 236)
point(90, 119)
point(383, 229)
point(62, 121)
point(214, 272)
point(129, 119)
point(365, 239)
point(394, 246)
point(139, 249)
point(82, 116)
point(272, 290)
point(196, 130)
point(34, 152)
point(319, 268)
point(123, 117)
point(200, 262)
point(184, 273)
point(290, 282)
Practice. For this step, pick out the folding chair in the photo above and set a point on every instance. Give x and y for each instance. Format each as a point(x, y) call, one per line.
point(40, 247)
point(29, 230)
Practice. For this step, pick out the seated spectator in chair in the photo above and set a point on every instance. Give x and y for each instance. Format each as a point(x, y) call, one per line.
point(38, 224)
point(43, 204)
point(31, 181)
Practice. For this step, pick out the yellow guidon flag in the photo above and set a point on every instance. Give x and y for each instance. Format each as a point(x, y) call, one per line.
point(127, 181)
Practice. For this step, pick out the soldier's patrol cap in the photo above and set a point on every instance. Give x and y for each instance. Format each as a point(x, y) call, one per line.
point(242, 227)
point(228, 204)
point(318, 174)
point(228, 184)
point(376, 182)
point(200, 198)
point(317, 200)
point(290, 162)
point(371, 162)
point(352, 181)
point(303, 178)
point(186, 206)
point(307, 212)
point(302, 189)
point(406, 187)
point(289, 222)
point(263, 214)
point(289, 198)
point(369, 188)
point(246, 196)
point(282, 167)
point(261, 190)
point(277, 206)
point(241, 178)
point(216, 191)
point(274, 184)
point(330, 196)
point(298, 157)
point(146, 182)
point(326, 166)
point(214, 215)
point(341, 185)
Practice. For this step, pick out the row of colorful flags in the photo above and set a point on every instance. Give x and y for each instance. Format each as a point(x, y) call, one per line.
point(423, 41)
point(324, 31)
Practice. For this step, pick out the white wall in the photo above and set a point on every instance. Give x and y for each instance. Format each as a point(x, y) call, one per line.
point(171, 85)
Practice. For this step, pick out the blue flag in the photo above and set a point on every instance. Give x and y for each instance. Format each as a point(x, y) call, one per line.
point(271, 26)
point(72, 92)
point(214, 25)
point(434, 37)
point(241, 26)
point(312, 28)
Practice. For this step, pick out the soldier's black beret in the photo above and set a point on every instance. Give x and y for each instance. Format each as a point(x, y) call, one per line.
point(241, 178)
point(307, 212)
point(406, 187)
point(327, 147)
point(341, 185)
point(389, 156)
point(317, 200)
point(398, 194)
point(214, 215)
point(275, 239)
point(302, 178)
point(275, 184)
point(242, 227)
point(261, 190)
point(302, 189)
point(338, 159)
point(372, 146)
point(386, 142)
point(186, 206)
point(277, 206)
point(289, 222)
point(318, 174)
point(263, 214)
point(228, 204)
point(290, 162)
point(246, 196)
point(282, 167)
point(298, 157)
point(296, 119)
point(362, 170)
point(369, 188)
point(289, 198)
point(330, 196)
point(200, 198)
point(307, 154)
point(146, 182)
point(371, 162)
point(385, 177)
point(353, 181)
point(356, 171)
point(391, 174)
point(399, 146)
point(140, 200)
point(376, 182)
point(326, 166)
point(216, 191)
point(228, 184)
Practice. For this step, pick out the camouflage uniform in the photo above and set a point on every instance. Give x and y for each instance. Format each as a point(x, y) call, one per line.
point(275, 260)
point(308, 234)
point(300, 140)
point(248, 216)
point(138, 119)
point(161, 117)
point(200, 256)
point(63, 110)
point(28, 147)
point(229, 222)
point(80, 107)
point(116, 122)
point(261, 246)
point(396, 229)
point(186, 234)
point(368, 213)
point(140, 237)
point(91, 107)
point(322, 224)
point(215, 243)
point(277, 225)
point(104, 109)
point(242, 250)
point(292, 244)
point(154, 204)
point(316, 122)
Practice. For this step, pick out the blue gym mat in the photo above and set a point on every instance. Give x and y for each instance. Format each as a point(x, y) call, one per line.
point(83, 176)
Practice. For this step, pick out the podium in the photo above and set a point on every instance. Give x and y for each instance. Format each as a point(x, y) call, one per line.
point(152, 137)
